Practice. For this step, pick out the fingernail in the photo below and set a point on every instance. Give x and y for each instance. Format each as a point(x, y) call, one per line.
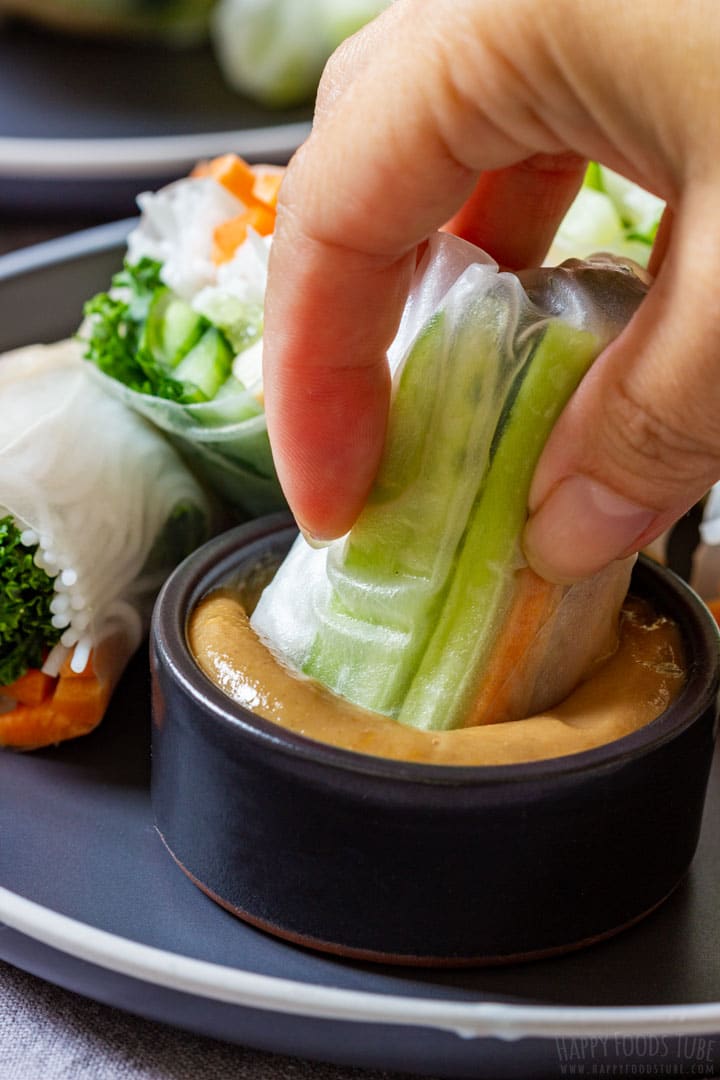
point(580, 528)
point(312, 540)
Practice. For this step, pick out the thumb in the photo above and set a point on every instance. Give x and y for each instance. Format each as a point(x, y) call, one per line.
point(639, 442)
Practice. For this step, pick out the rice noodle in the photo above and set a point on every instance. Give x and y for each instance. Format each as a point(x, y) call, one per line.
point(93, 485)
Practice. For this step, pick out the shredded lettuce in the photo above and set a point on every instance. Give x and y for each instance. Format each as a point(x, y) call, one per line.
point(26, 591)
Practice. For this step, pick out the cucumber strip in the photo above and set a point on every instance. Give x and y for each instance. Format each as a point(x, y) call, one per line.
point(207, 365)
point(240, 321)
point(388, 578)
point(231, 405)
point(408, 613)
point(151, 336)
point(182, 328)
point(171, 329)
point(482, 583)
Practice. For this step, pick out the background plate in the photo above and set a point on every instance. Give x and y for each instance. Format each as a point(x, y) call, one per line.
point(90, 899)
point(87, 124)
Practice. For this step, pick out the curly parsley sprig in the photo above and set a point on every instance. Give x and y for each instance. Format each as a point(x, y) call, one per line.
point(26, 630)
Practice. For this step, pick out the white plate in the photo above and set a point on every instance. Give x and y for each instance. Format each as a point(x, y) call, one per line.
point(88, 123)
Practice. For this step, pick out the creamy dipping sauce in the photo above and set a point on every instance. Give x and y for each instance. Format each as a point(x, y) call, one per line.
point(631, 688)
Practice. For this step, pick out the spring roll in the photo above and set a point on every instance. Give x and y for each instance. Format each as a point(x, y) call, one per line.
point(275, 50)
point(426, 610)
point(178, 338)
point(95, 510)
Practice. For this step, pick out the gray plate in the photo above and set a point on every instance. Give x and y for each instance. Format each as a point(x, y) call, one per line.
point(87, 124)
point(90, 899)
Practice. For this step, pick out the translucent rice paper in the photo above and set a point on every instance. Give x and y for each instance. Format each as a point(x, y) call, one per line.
point(233, 458)
point(111, 503)
point(426, 610)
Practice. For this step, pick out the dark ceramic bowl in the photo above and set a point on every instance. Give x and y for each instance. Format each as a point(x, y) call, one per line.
point(411, 863)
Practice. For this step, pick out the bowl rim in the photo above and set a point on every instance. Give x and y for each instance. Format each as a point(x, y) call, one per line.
point(210, 564)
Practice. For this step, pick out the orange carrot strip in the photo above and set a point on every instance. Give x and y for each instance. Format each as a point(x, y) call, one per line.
point(30, 726)
point(31, 688)
point(229, 235)
point(249, 183)
point(267, 185)
point(82, 700)
point(256, 186)
point(232, 172)
point(532, 603)
point(76, 706)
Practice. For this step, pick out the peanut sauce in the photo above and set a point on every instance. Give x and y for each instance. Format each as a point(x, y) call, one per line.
point(628, 690)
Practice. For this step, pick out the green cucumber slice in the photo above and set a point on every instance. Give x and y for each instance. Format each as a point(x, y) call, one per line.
point(182, 329)
point(482, 580)
point(387, 582)
point(231, 405)
point(172, 328)
point(207, 365)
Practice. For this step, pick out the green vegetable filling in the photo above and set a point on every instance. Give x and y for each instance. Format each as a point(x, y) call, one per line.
point(408, 631)
point(482, 580)
point(26, 591)
point(147, 338)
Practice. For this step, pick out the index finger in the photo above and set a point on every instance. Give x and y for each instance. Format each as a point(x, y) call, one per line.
point(396, 156)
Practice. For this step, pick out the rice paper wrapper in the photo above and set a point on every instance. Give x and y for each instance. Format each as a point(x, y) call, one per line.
point(426, 610)
point(110, 502)
point(224, 440)
point(233, 459)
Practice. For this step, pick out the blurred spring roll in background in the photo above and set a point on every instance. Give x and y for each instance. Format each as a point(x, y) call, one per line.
point(178, 337)
point(96, 508)
point(272, 51)
point(426, 610)
point(275, 50)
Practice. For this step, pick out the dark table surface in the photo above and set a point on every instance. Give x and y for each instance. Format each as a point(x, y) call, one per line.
point(15, 233)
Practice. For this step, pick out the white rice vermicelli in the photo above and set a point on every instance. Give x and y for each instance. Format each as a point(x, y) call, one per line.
point(93, 485)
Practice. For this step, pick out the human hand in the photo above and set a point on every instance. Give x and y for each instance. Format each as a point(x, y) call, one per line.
point(481, 113)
